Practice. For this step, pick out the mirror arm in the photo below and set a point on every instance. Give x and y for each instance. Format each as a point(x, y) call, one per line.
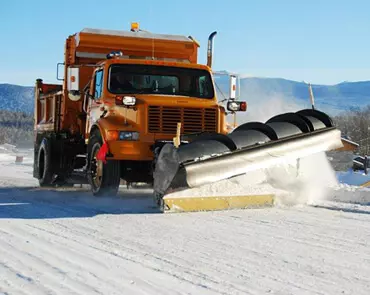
point(90, 95)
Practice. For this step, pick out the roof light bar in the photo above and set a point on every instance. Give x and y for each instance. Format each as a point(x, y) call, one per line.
point(114, 54)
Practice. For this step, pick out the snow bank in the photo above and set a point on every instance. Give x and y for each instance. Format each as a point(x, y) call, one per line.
point(6, 148)
point(14, 174)
point(350, 194)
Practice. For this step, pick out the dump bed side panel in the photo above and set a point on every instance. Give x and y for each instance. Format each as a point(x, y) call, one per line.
point(47, 102)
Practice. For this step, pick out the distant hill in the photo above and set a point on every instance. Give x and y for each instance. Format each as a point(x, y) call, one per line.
point(16, 127)
point(16, 98)
point(265, 96)
point(332, 99)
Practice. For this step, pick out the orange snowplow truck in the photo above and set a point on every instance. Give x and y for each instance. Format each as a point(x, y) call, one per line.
point(124, 95)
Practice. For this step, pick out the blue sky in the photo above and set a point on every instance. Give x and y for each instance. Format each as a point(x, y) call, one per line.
point(325, 41)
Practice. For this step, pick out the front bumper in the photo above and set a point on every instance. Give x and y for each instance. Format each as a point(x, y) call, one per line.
point(130, 150)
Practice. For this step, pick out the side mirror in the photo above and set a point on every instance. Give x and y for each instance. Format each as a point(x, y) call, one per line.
point(73, 79)
point(60, 64)
point(236, 106)
point(232, 90)
point(74, 93)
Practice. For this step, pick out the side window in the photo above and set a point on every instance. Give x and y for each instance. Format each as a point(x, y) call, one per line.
point(204, 86)
point(98, 84)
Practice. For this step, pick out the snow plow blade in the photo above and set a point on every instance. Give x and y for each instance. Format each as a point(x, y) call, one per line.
point(211, 158)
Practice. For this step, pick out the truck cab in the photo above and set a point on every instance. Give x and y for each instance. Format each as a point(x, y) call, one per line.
point(136, 103)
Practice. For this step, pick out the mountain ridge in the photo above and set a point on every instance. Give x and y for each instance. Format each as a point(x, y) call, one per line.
point(255, 90)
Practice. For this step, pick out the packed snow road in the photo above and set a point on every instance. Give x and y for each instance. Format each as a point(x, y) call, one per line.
point(68, 242)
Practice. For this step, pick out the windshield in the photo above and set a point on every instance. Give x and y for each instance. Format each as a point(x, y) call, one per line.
point(150, 79)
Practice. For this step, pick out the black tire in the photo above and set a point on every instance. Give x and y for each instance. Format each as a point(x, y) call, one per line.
point(45, 164)
point(108, 181)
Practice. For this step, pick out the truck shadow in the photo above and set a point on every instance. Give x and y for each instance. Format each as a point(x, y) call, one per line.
point(38, 203)
point(347, 210)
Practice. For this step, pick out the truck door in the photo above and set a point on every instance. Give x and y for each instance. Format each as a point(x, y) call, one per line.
point(94, 102)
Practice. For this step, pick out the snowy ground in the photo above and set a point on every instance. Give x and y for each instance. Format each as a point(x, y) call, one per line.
point(68, 242)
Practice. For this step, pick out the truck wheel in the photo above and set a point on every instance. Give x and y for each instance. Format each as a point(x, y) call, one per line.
point(44, 164)
point(104, 179)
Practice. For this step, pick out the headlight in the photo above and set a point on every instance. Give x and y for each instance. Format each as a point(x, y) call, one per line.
point(128, 135)
point(233, 106)
point(236, 106)
point(129, 100)
point(125, 100)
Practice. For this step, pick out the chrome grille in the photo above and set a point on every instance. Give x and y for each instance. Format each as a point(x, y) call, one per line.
point(164, 119)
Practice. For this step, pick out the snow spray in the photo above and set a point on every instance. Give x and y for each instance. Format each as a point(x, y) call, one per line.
point(304, 181)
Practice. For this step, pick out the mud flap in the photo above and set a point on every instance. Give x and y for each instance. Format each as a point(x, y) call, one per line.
point(102, 153)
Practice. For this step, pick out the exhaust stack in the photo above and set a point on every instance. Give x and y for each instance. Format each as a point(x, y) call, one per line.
point(210, 49)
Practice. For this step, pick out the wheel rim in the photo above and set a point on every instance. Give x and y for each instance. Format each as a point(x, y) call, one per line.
point(96, 168)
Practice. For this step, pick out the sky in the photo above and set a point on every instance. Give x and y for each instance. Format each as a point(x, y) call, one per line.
point(322, 42)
